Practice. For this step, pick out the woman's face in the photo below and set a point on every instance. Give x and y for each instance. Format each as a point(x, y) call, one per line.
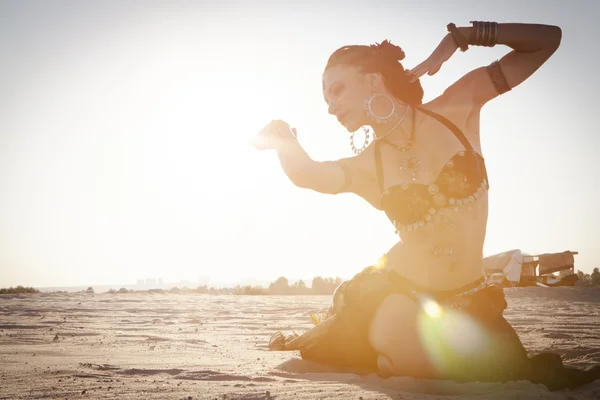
point(345, 90)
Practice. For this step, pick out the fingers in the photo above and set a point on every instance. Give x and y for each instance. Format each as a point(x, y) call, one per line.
point(260, 142)
point(272, 135)
point(263, 140)
point(411, 76)
point(418, 71)
point(415, 74)
point(426, 67)
point(274, 128)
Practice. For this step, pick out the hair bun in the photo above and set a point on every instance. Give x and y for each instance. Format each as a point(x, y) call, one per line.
point(389, 50)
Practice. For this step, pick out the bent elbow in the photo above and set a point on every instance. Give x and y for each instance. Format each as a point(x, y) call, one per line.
point(555, 37)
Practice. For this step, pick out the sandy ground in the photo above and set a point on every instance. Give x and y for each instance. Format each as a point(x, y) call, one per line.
point(192, 346)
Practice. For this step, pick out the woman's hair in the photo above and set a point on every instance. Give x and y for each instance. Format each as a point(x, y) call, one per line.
point(383, 58)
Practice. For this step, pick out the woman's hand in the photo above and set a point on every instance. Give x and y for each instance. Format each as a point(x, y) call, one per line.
point(440, 55)
point(274, 135)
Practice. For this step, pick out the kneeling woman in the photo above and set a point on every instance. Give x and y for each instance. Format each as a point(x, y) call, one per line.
point(425, 310)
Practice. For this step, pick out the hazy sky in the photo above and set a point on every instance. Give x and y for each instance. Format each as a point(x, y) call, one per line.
point(124, 129)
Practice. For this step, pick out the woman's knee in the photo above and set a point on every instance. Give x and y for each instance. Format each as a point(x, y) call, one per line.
point(396, 334)
point(393, 328)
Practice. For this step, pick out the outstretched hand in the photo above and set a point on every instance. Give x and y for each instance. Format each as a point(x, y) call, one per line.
point(273, 135)
point(433, 63)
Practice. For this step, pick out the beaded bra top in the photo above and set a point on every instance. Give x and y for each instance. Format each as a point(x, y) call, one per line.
point(461, 182)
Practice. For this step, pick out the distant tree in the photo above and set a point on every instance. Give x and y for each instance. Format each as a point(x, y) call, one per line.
point(280, 286)
point(18, 290)
point(249, 290)
point(89, 290)
point(580, 277)
point(318, 285)
point(595, 277)
point(583, 279)
point(202, 289)
point(325, 286)
point(299, 288)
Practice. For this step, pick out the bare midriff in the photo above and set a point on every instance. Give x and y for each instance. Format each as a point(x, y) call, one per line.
point(445, 256)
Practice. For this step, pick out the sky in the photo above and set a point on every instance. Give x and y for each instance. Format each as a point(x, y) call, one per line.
point(124, 130)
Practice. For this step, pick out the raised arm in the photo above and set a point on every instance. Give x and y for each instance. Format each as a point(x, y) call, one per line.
point(532, 45)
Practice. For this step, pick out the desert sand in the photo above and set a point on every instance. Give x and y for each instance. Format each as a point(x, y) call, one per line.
point(194, 346)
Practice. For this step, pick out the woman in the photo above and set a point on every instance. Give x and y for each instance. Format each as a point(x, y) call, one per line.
point(426, 311)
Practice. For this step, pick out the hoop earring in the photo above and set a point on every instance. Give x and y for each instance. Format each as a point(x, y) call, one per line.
point(375, 117)
point(366, 144)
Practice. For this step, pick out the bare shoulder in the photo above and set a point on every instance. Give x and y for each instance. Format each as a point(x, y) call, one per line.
point(361, 169)
point(364, 162)
point(461, 111)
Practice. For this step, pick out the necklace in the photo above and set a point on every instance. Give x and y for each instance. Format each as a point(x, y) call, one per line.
point(408, 163)
point(375, 137)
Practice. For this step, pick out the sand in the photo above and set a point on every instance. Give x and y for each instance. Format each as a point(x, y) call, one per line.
point(192, 346)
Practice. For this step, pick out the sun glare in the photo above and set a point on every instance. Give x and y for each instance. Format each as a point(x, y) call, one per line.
point(432, 309)
point(449, 336)
point(381, 263)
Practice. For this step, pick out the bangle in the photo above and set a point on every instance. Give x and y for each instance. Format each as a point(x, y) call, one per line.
point(484, 34)
point(461, 41)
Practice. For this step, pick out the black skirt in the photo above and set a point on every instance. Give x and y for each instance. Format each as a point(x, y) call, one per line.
point(346, 346)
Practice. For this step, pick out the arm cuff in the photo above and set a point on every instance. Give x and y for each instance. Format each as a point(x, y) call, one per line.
point(498, 78)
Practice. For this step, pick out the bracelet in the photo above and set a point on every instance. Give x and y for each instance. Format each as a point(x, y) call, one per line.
point(461, 41)
point(484, 33)
point(498, 78)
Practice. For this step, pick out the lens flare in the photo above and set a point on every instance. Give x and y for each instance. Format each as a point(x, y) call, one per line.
point(381, 263)
point(432, 309)
point(451, 337)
